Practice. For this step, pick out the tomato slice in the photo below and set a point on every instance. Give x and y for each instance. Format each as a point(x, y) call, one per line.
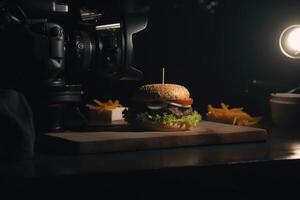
point(184, 102)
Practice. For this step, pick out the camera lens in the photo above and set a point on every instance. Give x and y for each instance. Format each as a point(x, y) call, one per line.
point(84, 48)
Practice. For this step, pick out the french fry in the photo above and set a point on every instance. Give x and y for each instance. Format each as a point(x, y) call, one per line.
point(235, 116)
point(234, 121)
point(92, 107)
point(109, 102)
point(224, 107)
point(98, 102)
point(236, 109)
point(101, 106)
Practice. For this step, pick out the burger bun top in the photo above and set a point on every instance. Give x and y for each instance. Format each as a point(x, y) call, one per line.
point(161, 92)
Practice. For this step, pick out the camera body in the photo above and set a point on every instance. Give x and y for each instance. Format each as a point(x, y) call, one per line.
point(82, 43)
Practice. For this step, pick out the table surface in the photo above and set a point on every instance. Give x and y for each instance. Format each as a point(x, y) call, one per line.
point(282, 145)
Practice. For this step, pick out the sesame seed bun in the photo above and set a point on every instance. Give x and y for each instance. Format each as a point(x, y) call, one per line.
point(161, 92)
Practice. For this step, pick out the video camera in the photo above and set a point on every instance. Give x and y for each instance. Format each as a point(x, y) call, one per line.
point(82, 42)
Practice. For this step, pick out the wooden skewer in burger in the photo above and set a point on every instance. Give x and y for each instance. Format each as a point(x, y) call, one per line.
point(163, 107)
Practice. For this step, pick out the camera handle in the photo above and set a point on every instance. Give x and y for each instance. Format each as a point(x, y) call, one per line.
point(133, 24)
point(56, 54)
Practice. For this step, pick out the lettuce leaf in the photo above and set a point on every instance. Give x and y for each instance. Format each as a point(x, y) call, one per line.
point(170, 119)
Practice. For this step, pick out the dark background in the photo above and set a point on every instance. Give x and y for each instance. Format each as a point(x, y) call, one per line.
point(214, 48)
point(217, 53)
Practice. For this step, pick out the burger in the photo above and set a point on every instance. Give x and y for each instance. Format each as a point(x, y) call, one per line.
point(162, 107)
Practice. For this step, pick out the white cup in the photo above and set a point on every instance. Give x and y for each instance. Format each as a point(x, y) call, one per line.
point(285, 109)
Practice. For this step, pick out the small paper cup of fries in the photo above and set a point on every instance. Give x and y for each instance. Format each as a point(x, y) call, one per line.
point(105, 111)
point(234, 116)
point(285, 109)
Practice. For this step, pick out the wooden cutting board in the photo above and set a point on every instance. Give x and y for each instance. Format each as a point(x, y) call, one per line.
point(112, 141)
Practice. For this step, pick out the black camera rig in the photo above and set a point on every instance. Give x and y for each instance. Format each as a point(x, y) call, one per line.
point(83, 43)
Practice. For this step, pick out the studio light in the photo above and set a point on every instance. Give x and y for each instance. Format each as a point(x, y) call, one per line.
point(289, 41)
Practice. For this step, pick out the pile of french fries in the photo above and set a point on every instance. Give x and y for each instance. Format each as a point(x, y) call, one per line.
point(102, 106)
point(234, 116)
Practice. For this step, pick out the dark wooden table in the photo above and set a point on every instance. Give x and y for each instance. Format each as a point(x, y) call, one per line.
point(241, 170)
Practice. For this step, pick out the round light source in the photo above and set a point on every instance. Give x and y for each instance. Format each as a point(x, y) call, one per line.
point(289, 41)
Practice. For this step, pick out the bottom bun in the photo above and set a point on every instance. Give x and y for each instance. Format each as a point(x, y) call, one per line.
point(162, 127)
